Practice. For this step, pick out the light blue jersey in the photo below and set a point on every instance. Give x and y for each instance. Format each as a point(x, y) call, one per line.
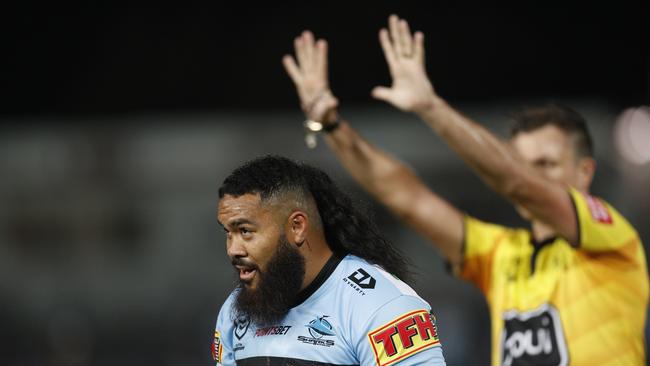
point(354, 313)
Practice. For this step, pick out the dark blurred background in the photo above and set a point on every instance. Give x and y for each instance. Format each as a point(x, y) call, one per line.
point(118, 123)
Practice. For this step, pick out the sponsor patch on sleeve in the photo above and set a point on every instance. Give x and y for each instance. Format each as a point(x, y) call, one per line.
point(217, 348)
point(403, 337)
point(598, 210)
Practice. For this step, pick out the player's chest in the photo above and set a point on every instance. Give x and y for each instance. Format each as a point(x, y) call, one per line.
point(307, 335)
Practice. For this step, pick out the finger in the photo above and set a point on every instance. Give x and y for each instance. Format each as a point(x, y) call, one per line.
point(333, 103)
point(394, 34)
point(405, 37)
point(321, 57)
point(389, 52)
point(308, 38)
point(329, 103)
point(292, 69)
point(382, 93)
point(299, 45)
point(418, 47)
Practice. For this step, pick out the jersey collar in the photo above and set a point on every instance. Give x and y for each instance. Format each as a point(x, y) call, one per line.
point(323, 275)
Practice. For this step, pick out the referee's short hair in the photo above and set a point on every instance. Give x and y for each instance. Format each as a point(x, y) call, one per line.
point(563, 117)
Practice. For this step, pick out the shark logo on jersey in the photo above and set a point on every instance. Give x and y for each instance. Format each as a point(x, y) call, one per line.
point(533, 338)
point(319, 328)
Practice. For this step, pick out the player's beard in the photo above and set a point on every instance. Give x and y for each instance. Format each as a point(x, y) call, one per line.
point(278, 287)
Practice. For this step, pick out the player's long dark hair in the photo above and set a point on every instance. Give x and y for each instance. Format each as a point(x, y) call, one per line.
point(346, 229)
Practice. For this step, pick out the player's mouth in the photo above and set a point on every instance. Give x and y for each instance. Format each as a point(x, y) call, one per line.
point(246, 273)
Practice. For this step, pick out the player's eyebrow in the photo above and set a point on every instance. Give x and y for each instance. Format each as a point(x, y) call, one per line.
point(237, 222)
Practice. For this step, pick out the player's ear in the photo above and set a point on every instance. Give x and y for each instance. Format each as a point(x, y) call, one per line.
point(586, 171)
point(297, 226)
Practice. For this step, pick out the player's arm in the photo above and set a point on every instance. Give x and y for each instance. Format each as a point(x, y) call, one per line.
point(221, 346)
point(402, 332)
point(390, 181)
point(490, 157)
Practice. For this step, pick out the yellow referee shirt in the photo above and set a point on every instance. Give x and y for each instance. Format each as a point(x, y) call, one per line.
point(553, 304)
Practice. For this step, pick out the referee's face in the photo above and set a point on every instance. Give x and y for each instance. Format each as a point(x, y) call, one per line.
point(551, 152)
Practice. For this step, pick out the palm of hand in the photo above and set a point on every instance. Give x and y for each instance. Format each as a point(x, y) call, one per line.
point(315, 97)
point(411, 89)
point(311, 88)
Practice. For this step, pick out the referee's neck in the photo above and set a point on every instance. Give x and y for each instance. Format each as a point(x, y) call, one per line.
point(541, 231)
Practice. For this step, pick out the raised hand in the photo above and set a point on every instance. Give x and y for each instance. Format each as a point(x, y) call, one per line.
point(411, 90)
point(309, 75)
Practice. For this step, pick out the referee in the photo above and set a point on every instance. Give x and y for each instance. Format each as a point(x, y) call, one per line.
point(572, 289)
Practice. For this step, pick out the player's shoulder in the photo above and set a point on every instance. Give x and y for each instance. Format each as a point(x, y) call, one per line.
point(388, 321)
point(225, 319)
point(370, 286)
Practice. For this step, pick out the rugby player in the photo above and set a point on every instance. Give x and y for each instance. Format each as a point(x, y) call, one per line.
point(317, 282)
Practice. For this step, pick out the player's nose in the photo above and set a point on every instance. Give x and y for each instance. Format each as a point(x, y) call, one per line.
point(235, 249)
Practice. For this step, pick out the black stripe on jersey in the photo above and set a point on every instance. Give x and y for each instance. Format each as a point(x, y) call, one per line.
point(537, 246)
point(323, 275)
point(575, 211)
point(282, 361)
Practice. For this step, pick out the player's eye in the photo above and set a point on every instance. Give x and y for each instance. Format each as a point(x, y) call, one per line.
point(545, 163)
point(228, 234)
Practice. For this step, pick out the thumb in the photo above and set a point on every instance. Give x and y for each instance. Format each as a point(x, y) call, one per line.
point(382, 93)
point(332, 103)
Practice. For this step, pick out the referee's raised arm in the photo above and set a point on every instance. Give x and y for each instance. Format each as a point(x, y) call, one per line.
point(495, 161)
point(389, 180)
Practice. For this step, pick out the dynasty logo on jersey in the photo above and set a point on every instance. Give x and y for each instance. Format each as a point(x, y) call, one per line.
point(404, 336)
point(533, 338)
point(360, 280)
